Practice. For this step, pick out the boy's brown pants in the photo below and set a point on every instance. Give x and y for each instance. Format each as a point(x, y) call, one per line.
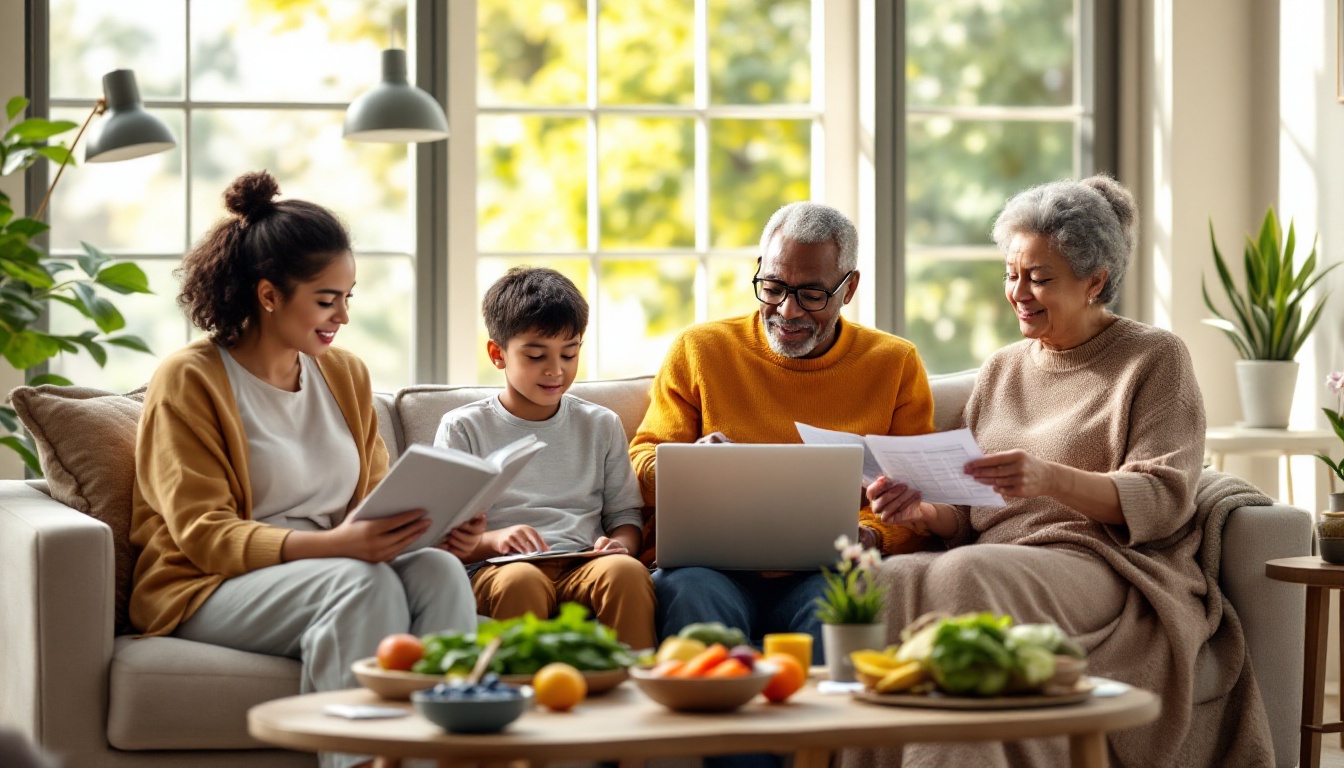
point(618, 589)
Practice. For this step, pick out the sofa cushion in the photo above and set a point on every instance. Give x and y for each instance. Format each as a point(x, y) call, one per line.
point(170, 693)
point(950, 393)
point(389, 428)
point(420, 408)
point(86, 441)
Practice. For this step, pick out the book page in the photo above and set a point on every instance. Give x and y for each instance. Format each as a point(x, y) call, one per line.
point(583, 554)
point(935, 465)
point(507, 463)
point(441, 481)
point(817, 436)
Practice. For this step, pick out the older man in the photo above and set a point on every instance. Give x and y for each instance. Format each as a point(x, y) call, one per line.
point(748, 379)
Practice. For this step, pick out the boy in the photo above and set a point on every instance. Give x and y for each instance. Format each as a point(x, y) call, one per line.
point(578, 492)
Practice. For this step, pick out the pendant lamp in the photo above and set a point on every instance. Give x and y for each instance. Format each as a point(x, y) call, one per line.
point(394, 110)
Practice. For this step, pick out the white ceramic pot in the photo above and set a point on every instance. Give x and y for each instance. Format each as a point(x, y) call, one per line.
point(1266, 389)
point(839, 640)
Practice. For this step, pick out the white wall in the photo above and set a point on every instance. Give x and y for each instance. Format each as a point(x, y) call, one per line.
point(11, 84)
point(1311, 190)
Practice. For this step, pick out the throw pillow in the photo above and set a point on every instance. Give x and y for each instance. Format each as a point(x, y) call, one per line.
point(86, 441)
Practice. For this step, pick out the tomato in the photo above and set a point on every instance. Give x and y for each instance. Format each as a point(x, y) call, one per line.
point(786, 682)
point(400, 652)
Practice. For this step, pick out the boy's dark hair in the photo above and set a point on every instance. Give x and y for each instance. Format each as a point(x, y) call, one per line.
point(286, 242)
point(534, 299)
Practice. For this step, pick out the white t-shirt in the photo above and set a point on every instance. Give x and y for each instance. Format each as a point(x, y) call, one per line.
point(579, 487)
point(302, 457)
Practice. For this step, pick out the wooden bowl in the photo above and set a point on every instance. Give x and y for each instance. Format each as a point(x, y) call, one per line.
point(398, 686)
point(703, 694)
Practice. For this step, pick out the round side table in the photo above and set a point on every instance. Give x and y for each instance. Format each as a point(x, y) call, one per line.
point(1319, 577)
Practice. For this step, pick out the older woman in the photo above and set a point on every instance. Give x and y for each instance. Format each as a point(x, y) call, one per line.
point(1093, 427)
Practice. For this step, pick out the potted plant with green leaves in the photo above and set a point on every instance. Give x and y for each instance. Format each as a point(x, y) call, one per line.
point(30, 279)
point(1269, 321)
point(851, 608)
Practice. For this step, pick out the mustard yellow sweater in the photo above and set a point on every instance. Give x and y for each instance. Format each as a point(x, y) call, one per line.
point(722, 376)
point(191, 517)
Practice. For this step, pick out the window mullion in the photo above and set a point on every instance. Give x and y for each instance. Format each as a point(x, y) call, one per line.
point(593, 348)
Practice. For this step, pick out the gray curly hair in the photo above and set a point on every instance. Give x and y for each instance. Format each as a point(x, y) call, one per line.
point(1092, 223)
point(808, 222)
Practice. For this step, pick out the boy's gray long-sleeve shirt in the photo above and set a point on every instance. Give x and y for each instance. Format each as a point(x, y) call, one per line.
point(579, 487)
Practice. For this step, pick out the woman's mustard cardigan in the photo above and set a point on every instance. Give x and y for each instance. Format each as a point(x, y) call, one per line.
point(191, 519)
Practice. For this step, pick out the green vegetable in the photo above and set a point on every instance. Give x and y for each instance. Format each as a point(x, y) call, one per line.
point(1035, 665)
point(529, 644)
point(712, 632)
point(1048, 636)
point(970, 655)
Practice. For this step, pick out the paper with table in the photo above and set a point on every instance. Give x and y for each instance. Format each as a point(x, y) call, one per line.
point(932, 463)
point(451, 485)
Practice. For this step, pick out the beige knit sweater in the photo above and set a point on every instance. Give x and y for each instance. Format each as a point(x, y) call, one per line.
point(1126, 403)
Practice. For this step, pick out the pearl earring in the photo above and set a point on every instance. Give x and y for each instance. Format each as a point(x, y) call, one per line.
point(272, 309)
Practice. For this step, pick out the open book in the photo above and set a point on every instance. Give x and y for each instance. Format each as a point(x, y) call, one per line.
point(452, 485)
point(931, 463)
point(586, 553)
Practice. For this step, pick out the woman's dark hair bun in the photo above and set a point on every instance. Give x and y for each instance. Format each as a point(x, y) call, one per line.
point(252, 195)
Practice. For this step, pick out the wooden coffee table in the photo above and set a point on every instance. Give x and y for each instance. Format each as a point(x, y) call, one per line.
point(625, 726)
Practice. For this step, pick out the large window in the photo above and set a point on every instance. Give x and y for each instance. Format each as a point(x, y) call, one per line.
point(994, 103)
point(639, 147)
point(244, 85)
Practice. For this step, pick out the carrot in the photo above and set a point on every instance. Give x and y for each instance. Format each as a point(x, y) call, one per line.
point(703, 661)
point(667, 668)
point(729, 668)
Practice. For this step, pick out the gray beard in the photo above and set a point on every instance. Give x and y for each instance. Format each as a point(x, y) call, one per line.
point(796, 349)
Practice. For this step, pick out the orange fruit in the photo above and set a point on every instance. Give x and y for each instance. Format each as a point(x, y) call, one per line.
point(729, 668)
point(559, 686)
point(400, 652)
point(786, 682)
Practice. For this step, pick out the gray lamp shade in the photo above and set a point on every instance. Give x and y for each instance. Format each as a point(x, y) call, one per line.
point(394, 110)
point(127, 131)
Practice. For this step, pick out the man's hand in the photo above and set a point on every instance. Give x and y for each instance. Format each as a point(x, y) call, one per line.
point(1015, 474)
point(714, 437)
point(462, 540)
point(516, 539)
point(898, 504)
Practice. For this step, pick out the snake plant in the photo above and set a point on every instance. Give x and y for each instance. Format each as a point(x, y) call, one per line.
point(1267, 319)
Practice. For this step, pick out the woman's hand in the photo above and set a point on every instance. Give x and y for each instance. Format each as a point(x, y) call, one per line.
point(462, 540)
point(899, 504)
point(1016, 474)
point(376, 541)
point(516, 539)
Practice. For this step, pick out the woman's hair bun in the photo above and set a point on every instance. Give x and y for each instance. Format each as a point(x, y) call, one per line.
point(251, 195)
point(1122, 202)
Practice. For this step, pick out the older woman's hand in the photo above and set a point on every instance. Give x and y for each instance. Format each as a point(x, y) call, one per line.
point(899, 504)
point(1015, 473)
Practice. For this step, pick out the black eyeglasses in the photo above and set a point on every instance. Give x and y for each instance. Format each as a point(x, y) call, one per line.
point(774, 293)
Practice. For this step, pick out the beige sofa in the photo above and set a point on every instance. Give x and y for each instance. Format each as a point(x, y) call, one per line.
point(102, 700)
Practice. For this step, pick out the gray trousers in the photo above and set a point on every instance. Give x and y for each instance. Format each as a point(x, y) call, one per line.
point(329, 613)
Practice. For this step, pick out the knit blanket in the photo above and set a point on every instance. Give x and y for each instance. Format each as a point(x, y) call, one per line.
point(1172, 618)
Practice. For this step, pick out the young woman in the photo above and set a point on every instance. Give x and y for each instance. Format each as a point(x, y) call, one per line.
point(254, 444)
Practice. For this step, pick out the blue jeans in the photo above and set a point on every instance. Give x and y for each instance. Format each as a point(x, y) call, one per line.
point(744, 599)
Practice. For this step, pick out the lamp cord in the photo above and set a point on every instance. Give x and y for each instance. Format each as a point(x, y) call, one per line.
point(98, 108)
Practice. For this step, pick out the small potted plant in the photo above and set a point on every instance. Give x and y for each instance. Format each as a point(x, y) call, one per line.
point(1330, 526)
point(1269, 320)
point(851, 609)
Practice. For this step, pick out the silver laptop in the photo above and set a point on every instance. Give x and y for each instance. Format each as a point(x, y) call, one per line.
point(735, 506)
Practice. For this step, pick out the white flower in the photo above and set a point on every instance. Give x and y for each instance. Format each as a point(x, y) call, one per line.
point(1335, 381)
point(870, 559)
point(841, 542)
point(852, 552)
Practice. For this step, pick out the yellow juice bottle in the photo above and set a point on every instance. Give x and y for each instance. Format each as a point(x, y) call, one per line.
point(795, 644)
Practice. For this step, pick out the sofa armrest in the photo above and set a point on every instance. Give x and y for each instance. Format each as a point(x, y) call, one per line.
point(56, 597)
point(1272, 612)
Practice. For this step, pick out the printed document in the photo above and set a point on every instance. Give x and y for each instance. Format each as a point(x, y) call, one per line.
point(932, 463)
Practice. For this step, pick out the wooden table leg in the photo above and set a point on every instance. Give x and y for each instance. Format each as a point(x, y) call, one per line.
point(1313, 674)
point(1088, 750)
point(812, 758)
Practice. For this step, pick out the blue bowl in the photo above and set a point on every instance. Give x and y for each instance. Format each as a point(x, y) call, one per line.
point(473, 715)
